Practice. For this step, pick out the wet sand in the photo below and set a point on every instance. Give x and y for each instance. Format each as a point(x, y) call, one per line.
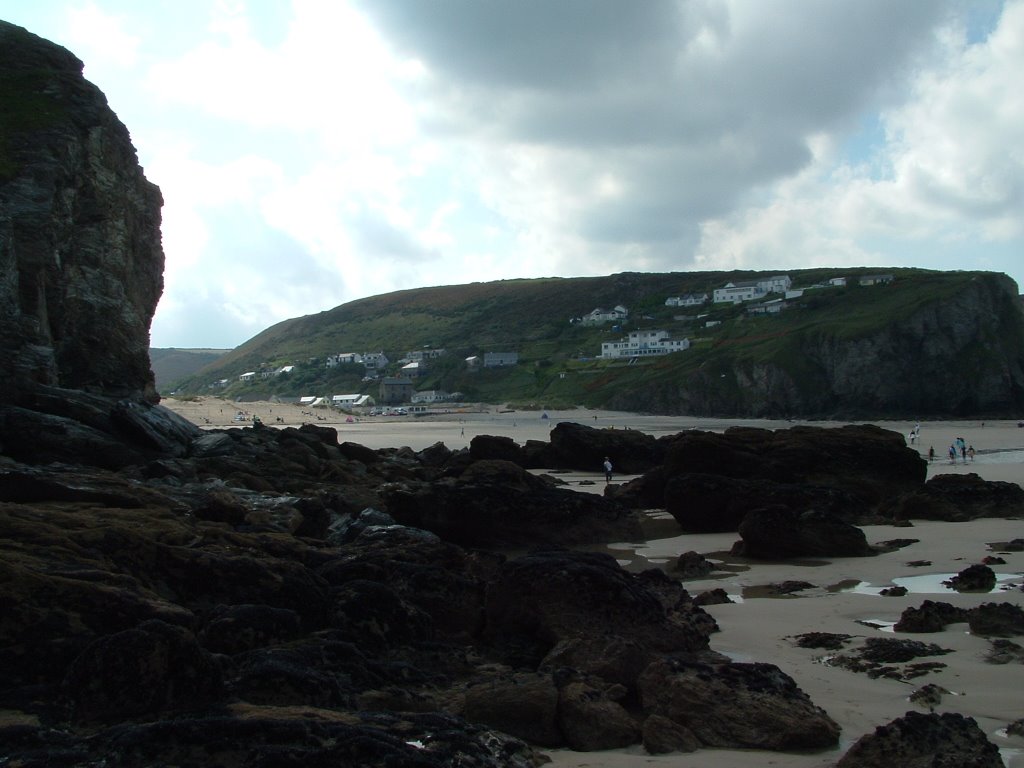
point(759, 628)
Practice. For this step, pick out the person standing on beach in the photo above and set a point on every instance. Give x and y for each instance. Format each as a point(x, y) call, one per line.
point(607, 470)
point(931, 454)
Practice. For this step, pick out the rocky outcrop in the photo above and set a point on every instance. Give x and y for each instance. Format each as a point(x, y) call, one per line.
point(945, 740)
point(710, 481)
point(754, 706)
point(495, 503)
point(82, 263)
point(778, 532)
point(956, 498)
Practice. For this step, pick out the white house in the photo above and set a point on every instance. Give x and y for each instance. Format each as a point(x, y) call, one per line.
point(736, 293)
point(643, 343)
point(284, 369)
point(422, 354)
point(776, 284)
point(351, 401)
point(838, 282)
point(599, 315)
point(342, 358)
point(686, 300)
point(431, 396)
point(772, 307)
point(248, 376)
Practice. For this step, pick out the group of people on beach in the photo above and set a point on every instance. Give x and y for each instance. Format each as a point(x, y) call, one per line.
point(960, 447)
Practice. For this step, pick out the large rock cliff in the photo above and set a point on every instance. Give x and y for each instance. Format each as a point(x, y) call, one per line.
point(81, 262)
point(955, 354)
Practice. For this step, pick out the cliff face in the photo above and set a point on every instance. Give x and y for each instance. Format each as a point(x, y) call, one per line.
point(81, 270)
point(80, 252)
point(956, 355)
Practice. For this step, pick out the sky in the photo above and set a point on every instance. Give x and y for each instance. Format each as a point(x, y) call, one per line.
point(314, 152)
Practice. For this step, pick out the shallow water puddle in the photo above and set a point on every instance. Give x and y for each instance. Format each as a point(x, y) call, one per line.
point(921, 584)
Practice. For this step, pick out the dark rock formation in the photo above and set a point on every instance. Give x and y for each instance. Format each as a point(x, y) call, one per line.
point(755, 706)
point(496, 503)
point(931, 616)
point(710, 481)
point(941, 741)
point(778, 532)
point(973, 578)
point(987, 619)
point(957, 498)
point(83, 270)
point(577, 446)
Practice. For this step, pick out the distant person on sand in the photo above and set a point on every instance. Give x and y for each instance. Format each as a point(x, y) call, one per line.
point(607, 470)
point(952, 453)
point(931, 454)
point(970, 452)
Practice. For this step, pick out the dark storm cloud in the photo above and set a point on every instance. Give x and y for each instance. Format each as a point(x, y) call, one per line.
point(691, 106)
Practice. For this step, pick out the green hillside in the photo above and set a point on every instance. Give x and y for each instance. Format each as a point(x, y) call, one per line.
point(731, 348)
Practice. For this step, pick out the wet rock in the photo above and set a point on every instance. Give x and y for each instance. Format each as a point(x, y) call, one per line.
point(754, 706)
point(662, 735)
point(945, 741)
point(1005, 652)
point(778, 532)
point(825, 640)
point(893, 592)
point(499, 504)
point(522, 705)
point(577, 446)
point(928, 696)
point(693, 565)
point(993, 560)
point(889, 650)
point(931, 616)
point(491, 447)
point(152, 669)
point(996, 620)
point(713, 597)
point(957, 498)
point(540, 599)
point(1014, 545)
point(233, 629)
point(974, 578)
point(590, 720)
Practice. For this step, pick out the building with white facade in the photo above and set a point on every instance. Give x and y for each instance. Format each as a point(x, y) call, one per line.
point(687, 300)
point(736, 293)
point(342, 358)
point(643, 344)
point(776, 284)
point(600, 315)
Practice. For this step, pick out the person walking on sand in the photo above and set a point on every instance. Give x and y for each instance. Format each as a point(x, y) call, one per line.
point(931, 454)
point(607, 469)
point(970, 452)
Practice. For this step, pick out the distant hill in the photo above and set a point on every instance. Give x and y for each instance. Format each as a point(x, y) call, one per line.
point(170, 364)
point(925, 344)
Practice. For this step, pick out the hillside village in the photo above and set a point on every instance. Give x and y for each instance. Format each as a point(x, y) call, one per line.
point(395, 383)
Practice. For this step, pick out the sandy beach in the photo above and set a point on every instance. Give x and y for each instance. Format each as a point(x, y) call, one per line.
point(844, 598)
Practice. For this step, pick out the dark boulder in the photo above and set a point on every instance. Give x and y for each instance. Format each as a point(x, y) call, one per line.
point(996, 620)
point(778, 532)
point(539, 600)
point(499, 504)
point(233, 629)
point(488, 447)
point(152, 669)
point(973, 578)
point(947, 740)
point(732, 705)
point(523, 705)
point(931, 616)
point(956, 498)
point(577, 446)
point(590, 720)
